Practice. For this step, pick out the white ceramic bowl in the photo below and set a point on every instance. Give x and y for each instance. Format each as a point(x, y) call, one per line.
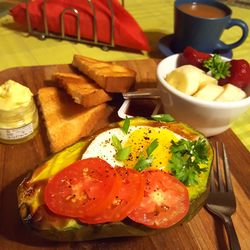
point(210, 118)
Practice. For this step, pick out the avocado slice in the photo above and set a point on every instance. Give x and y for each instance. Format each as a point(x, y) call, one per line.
point(35, 214)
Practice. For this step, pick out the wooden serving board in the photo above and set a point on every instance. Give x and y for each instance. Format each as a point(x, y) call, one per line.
point(203, 232)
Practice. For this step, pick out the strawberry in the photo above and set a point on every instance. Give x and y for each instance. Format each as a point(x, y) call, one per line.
point(239, 74)
point(195, 57)
point(236, 72)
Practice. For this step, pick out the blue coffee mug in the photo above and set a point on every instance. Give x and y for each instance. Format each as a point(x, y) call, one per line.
point(204, 33)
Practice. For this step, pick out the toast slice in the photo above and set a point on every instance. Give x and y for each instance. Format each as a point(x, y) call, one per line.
point(82, 89)
point(66, 122)
point(111, 77)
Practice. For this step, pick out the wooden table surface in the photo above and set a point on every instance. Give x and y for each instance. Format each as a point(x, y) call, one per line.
point(203, 232)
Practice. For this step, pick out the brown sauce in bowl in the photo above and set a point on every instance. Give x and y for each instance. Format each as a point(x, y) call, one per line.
point(141, 107)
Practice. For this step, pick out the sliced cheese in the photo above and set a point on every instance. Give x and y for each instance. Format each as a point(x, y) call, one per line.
point(209, 92)
point(231, 93)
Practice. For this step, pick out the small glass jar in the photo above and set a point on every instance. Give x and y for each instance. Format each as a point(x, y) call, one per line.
point(18, 125)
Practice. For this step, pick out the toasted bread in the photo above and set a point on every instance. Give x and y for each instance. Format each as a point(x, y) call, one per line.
point(66, 121)
point(82, 89)
point(112, 78)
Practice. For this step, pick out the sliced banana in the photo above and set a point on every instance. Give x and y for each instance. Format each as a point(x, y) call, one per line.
point(207, 79)
point(195, 82)
point(188, 79)
point(231, 93)
point(209, 92)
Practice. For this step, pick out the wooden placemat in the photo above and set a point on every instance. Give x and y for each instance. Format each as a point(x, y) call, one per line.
point(203, 232)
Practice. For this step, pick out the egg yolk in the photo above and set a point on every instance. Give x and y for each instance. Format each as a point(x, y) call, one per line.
point(140, 139)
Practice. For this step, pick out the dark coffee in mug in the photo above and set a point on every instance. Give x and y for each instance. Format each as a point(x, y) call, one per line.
point(202, 10)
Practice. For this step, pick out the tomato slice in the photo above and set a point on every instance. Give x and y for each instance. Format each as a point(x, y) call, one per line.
point(128, 197)
point(165, 200)
point(85, 188)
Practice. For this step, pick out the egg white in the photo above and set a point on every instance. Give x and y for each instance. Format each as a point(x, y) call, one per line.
point(102, 146)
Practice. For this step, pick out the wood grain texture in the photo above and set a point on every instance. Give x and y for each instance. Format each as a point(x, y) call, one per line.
point(203, 232)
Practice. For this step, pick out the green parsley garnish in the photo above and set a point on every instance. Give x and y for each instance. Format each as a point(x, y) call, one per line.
point(126, 125)
point(153, 145)
point(186, 159)
point(218, 68)
point(122, 154)
point(145, 162)
point(163, 118)
point(116, 143)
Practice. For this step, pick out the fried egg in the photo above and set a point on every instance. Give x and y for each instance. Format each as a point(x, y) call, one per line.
point(138, 138)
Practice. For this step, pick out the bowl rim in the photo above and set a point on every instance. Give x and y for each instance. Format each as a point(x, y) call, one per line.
point(161, 73)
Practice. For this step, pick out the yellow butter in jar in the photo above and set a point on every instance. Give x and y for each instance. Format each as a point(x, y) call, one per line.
point(18, 113)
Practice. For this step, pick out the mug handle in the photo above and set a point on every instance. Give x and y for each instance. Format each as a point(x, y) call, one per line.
point(234, 22)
